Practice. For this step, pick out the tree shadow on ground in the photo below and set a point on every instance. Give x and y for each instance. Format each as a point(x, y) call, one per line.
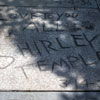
point(57, 38)
point(80, 96)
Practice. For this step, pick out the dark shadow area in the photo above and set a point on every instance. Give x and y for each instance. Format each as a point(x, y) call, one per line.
point(80, 96)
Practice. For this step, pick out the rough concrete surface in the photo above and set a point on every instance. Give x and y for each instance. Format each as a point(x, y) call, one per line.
point(50, 96)
point(49, 45)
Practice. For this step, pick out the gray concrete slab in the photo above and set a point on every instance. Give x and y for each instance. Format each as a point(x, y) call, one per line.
point(38, 3)
point(50, 47)
point(49, 96)
point(98, 3)
point(53, 3)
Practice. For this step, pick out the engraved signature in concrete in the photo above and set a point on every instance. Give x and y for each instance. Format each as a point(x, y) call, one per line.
point(9, 63)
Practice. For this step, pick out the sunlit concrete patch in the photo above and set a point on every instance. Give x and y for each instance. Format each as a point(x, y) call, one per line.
point(49, 48)
point(49, 96)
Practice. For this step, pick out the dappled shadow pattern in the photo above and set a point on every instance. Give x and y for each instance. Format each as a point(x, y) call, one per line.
point(80, 96)
point(64, 41)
